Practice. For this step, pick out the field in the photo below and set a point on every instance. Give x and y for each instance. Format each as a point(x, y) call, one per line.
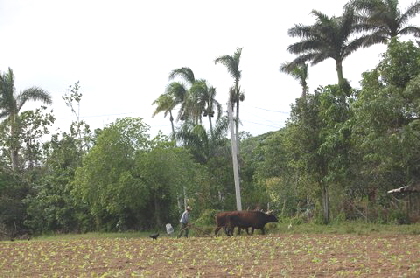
point(282, 255)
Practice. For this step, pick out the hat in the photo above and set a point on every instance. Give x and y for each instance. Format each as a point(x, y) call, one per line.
point(188, 208)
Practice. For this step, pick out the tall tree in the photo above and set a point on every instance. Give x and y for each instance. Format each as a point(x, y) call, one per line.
point(298, 72)
point(318, 142)
point(329, 37)
point(386, 121)
point(106, 181)
point(383, 20)
point(231, 62)
point(10, 106)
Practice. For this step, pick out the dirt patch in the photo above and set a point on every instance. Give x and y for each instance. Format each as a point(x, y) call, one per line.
point(243, 256)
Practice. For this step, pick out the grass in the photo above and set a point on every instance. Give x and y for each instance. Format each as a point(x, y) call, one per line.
point(354, 227)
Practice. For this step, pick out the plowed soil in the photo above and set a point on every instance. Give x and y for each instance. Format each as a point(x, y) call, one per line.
point(238, 256)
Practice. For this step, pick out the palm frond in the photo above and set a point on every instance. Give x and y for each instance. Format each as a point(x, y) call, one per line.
point(165, 103)
point(321, 18)
point(177, 90)
point(229, 63)
point(33, 94)
point(411, 30)
point(320, 57)
point(354, 45)
point(306, 46)
point(304, 58)
point(411, 11)
point(297, 71)
point(378, 37)
point(300, 30)
point(364, 6)
point(186, 73)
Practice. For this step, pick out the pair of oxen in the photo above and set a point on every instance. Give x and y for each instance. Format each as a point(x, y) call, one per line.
point(245, 219)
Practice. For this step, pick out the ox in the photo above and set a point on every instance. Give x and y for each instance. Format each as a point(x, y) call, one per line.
point(243, 220)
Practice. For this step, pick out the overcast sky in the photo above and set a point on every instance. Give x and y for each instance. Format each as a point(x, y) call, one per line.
point(122, 51)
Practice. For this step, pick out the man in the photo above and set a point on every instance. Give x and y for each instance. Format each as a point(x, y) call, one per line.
point(184, 222)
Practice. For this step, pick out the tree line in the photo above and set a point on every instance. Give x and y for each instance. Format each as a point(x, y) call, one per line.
point(339, 153)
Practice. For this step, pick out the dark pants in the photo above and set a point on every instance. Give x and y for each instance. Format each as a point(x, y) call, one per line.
point(184, 227)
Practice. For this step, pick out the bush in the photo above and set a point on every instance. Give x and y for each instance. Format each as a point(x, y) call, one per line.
point(207, 218)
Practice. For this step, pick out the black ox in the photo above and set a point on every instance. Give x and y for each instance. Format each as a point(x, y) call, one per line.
point(243, 220)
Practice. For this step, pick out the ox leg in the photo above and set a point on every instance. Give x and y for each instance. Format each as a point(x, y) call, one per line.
point(231, 230)
point(227, 230)
point(217, 230)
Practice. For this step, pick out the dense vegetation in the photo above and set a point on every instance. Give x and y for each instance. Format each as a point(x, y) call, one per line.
point(340, 152)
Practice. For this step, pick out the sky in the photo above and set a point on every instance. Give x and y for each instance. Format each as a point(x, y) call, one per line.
point(122, 52)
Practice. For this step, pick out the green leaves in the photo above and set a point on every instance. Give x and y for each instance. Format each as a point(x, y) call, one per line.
point(400, 64)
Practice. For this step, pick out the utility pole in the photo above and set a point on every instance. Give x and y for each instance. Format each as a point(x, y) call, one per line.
point(234, 151)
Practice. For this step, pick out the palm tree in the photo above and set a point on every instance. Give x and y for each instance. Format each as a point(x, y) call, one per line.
point(384, 20)
point(204, 98)
point(10, 106)
point(329, 37)
point(165, 103)
point(199, 99)
point(232, 65)
point(231, 62)
point(174, 95)
point(201, 144)
point(186, 111)
point(298, 72)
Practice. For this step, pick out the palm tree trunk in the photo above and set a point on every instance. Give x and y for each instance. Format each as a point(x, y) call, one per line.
point(211, 126)
point(14, 147)
point(172, 124)
point(234, 149)
point(339, 69)
point(237, 122)
point(304, 89)
point(237, 115)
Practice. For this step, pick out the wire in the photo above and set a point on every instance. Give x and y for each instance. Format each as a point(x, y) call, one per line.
point(106, 115)
point(277, 111)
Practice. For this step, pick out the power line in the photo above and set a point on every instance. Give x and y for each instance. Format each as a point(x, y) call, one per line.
point(260, 124)
point(106, 115)
point(277, 111)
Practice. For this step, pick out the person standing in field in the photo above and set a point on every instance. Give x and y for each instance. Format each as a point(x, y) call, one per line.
point(185, 218)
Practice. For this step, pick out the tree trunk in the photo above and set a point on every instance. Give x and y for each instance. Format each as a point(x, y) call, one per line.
point(234, 149)
point(211, 126)
point(304, 89)
point(325, 204)
point(157, 211)
point(339, 69)
point(14, 146)
point(237, 116)
point(172, 125)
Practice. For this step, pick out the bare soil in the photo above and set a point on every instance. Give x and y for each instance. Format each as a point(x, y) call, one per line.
point(238, 256)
